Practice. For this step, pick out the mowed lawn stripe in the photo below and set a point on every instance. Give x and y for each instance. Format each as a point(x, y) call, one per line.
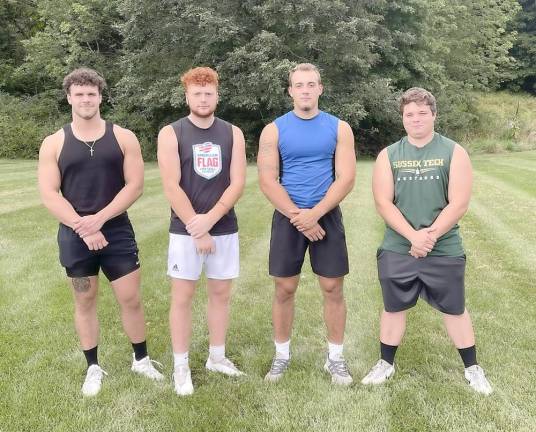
point(43, 368)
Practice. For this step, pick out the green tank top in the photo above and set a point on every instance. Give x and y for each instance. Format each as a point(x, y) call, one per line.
point(421, 179)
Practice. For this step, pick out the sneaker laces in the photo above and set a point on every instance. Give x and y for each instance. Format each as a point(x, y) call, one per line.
point(279, 366)
point(95, 373)
point(338, 367)
point(380, 365)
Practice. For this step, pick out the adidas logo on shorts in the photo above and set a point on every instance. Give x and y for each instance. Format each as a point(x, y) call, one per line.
point(175, 267)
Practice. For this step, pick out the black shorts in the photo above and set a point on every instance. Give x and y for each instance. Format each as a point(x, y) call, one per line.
point(437, 279)
point(117, 259)
point(329, 257)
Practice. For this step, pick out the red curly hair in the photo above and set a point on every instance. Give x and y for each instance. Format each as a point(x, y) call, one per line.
point(199, 76)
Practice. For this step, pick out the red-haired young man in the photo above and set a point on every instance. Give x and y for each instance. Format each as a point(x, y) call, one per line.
point(203, 167)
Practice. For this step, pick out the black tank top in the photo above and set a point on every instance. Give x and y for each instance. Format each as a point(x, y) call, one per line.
point(91, 182)
point(205, 156)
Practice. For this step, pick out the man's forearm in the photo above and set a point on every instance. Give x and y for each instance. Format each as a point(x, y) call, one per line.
point(338, 190)
point(61, 209)
point(226, 202)
point(448, 217)
point(279, 198)
point(395, 219)
point(179, 202)
point(122, 201)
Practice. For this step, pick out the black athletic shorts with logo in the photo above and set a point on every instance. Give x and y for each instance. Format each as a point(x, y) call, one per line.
point(329, 256)
point(437, 279)
point(117, 259)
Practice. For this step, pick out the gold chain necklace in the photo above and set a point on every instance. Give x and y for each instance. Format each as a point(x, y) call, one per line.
point(90, 146)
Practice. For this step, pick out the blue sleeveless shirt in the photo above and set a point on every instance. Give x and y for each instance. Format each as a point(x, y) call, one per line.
point(307, 156)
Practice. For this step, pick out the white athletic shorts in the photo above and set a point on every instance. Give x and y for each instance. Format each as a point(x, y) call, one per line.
point(185, 263)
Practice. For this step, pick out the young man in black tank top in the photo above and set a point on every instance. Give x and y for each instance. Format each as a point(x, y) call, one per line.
point(203, 166)
point(422, 186)
point(90, 173)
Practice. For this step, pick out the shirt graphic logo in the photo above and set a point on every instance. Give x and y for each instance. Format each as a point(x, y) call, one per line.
point(207, 159)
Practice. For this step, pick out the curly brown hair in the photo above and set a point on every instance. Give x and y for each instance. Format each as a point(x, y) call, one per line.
point(84, 76)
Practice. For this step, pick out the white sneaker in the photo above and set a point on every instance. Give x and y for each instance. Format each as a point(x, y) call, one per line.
point(477, 379)
point(224, 366)
point(379, 373)
point(277, 369)
point(182, 380)
point(93, 382)
point(145, 367)
point(339, 371)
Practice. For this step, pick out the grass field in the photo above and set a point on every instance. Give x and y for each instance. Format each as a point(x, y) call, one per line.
point(41, 367)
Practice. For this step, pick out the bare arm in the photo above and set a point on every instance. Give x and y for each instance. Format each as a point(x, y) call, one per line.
point(133, 173)
point(202, 223)
point(170, 170)
point(384, 191)
point(49, 180)
point(344, 180)
point(459, 192)
point(268, 169)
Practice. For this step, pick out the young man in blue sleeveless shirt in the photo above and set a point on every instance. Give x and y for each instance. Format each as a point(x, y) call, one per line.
point(306, 166)
point(90, 173)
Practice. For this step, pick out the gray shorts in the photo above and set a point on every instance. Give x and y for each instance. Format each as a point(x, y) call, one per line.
point(437, 279)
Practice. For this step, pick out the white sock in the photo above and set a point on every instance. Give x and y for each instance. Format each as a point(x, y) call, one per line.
point(335, 351)
point(282, 350)
point(180, 359)
point(216, 352)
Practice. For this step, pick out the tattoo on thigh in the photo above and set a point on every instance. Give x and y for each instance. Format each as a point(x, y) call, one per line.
point(81, 284)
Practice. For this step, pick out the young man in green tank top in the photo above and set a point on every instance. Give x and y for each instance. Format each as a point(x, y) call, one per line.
point(422, 186)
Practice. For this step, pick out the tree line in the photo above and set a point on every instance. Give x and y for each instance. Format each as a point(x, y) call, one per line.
point(368, 52)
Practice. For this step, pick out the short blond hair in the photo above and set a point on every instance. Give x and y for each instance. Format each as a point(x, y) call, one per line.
point(304, 67)
point(420, 96)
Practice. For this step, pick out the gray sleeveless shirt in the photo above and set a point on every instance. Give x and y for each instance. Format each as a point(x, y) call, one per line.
point(205, 156)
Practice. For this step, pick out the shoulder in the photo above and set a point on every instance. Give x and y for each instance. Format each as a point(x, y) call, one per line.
point(270, 130)
point(330, 117)
point(447, 142)
point(124, 135)
point(282, 119)
point(391, 148)
point(53, 143)
point(168, 132)
point(54, 139)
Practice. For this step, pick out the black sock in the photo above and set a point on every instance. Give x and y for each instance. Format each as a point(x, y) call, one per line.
point(91, 356)
point(140, 350)
point(468, 356)
point(388, 352)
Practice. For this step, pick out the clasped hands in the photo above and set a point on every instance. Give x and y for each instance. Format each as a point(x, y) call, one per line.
point(198, 227)
point(422, 242)
point(306, 222)
point(88, 228)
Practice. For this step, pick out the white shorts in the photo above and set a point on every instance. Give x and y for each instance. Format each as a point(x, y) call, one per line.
point(185, 263)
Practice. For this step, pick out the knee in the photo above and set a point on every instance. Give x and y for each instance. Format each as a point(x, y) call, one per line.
point(85, 302)
point(131, 302)
point(284, 290)
point(332, 290)
point(181, 299)
point(220, 296)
